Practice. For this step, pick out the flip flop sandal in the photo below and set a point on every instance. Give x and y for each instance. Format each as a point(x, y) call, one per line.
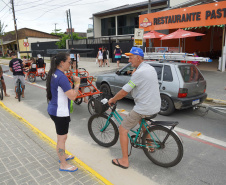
point(119, 165)
point(68, 169)
point(70, 157)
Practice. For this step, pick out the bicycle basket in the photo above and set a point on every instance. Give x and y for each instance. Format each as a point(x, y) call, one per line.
point(99, 106)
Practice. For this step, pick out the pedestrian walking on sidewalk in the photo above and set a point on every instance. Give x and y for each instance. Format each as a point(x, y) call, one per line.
point(100, 57)
point(3, 82)
point(118, 54)
point(105, 57)
point(59, 95)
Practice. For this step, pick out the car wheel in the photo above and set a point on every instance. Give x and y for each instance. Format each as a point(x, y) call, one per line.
point(167, 105)
point(105, 89)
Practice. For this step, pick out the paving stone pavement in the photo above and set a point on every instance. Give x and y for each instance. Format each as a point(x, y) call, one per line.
point(26, 159)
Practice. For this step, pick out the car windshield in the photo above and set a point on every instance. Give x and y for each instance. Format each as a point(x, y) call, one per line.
point(125, 70)
point(190, 73)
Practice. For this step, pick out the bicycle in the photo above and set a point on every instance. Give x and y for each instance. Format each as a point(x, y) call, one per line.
point(19, 89)
point(160, 143)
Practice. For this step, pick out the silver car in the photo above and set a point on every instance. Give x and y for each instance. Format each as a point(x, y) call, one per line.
point(181, 85)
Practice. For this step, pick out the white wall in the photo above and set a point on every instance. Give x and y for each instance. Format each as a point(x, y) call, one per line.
point(176, 2)
point(97, 27)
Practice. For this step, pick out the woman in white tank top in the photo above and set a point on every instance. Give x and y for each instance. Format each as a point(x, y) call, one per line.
point(100, 57)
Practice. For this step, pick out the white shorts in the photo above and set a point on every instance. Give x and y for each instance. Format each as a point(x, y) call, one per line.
point(21, 77)
point(100, 57)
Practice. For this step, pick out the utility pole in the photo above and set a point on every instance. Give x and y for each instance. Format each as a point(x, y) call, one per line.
point(55, 27)
point(18, 49)
point(71, 26)
point(149, 11)
point(67, 21)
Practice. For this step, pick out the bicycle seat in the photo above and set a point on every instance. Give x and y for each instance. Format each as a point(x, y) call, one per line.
point(151, 117)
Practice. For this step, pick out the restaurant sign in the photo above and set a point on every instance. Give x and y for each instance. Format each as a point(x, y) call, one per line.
point(195, 16)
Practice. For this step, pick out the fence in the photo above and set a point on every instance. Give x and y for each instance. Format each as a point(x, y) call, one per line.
point(125, 43)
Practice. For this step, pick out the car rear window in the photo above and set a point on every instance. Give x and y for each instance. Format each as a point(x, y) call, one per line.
point(190, 73)
point(158, 70)
point(167, 74)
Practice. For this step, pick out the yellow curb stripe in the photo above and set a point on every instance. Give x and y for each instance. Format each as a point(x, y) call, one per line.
point(45, 137)
point(218, 100)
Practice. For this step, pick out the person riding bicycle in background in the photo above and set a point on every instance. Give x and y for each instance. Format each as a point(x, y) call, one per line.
point(3, 82)
point(144, 88)
point(16, 66)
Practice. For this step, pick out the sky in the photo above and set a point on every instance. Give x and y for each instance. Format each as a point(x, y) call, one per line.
point(43, 14)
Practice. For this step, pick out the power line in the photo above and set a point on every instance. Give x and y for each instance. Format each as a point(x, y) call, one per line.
point(3, 8)
point(4, 14)
point(6, 4)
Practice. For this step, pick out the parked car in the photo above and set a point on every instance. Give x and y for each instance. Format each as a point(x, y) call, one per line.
point(181, 85)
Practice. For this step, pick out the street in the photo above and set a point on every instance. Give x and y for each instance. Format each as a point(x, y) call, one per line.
point(204, 162)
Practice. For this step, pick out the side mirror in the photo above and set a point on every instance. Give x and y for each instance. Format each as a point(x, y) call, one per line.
point(118, 72)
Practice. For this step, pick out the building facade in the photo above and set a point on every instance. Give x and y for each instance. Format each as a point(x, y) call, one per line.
point(25, 35)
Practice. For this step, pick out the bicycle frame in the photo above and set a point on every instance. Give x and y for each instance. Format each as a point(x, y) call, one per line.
point(117, 116)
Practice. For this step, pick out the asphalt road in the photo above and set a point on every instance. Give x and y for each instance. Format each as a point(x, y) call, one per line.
point(203, 162)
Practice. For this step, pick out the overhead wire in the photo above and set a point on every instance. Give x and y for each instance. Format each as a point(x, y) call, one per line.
point(6, 3)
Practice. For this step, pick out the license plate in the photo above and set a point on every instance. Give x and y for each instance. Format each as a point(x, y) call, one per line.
point(194, 102)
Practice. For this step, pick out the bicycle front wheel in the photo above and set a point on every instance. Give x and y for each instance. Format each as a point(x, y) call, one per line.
point(165, 152)
point(91, 107)
point(103, 136)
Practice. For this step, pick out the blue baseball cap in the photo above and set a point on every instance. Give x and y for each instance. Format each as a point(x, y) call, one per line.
point(135, 51)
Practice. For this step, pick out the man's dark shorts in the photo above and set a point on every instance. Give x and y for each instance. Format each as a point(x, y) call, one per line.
point(2, 78)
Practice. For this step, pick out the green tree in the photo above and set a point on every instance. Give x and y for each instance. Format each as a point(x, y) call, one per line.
point(2, 28)
point(62, 43)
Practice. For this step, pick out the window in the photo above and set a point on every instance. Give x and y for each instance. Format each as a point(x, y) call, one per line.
point(190, 74)
point(108, 26)
point(127, 23)
point(158, 69)
point(126, 69)
point(167, 74)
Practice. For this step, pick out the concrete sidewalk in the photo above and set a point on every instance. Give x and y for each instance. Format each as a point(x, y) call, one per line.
point(25, 158)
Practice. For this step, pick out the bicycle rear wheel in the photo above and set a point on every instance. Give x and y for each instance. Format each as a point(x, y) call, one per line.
point(109, 136)
point(19, 92)
point(44, 76)
point(31, 77)
point(78, 101)
point(1, 92)
point(167, 154)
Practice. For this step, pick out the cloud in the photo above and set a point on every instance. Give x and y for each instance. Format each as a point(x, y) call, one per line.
point(43, 14)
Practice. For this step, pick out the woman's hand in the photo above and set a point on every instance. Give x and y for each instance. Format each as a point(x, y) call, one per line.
point(76, 79)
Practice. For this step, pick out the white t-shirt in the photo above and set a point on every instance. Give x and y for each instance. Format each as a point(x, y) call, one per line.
point(72, 55)
point(144, 88)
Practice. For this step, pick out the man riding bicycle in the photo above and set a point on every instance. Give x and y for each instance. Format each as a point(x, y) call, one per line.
point(3, 82)
point(16, 66)
point(144, 88)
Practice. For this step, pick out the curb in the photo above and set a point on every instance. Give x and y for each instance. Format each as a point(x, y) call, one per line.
point(53, 143)
point(218, 101)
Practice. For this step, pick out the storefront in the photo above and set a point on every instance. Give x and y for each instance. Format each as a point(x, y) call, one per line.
point(208, 19)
